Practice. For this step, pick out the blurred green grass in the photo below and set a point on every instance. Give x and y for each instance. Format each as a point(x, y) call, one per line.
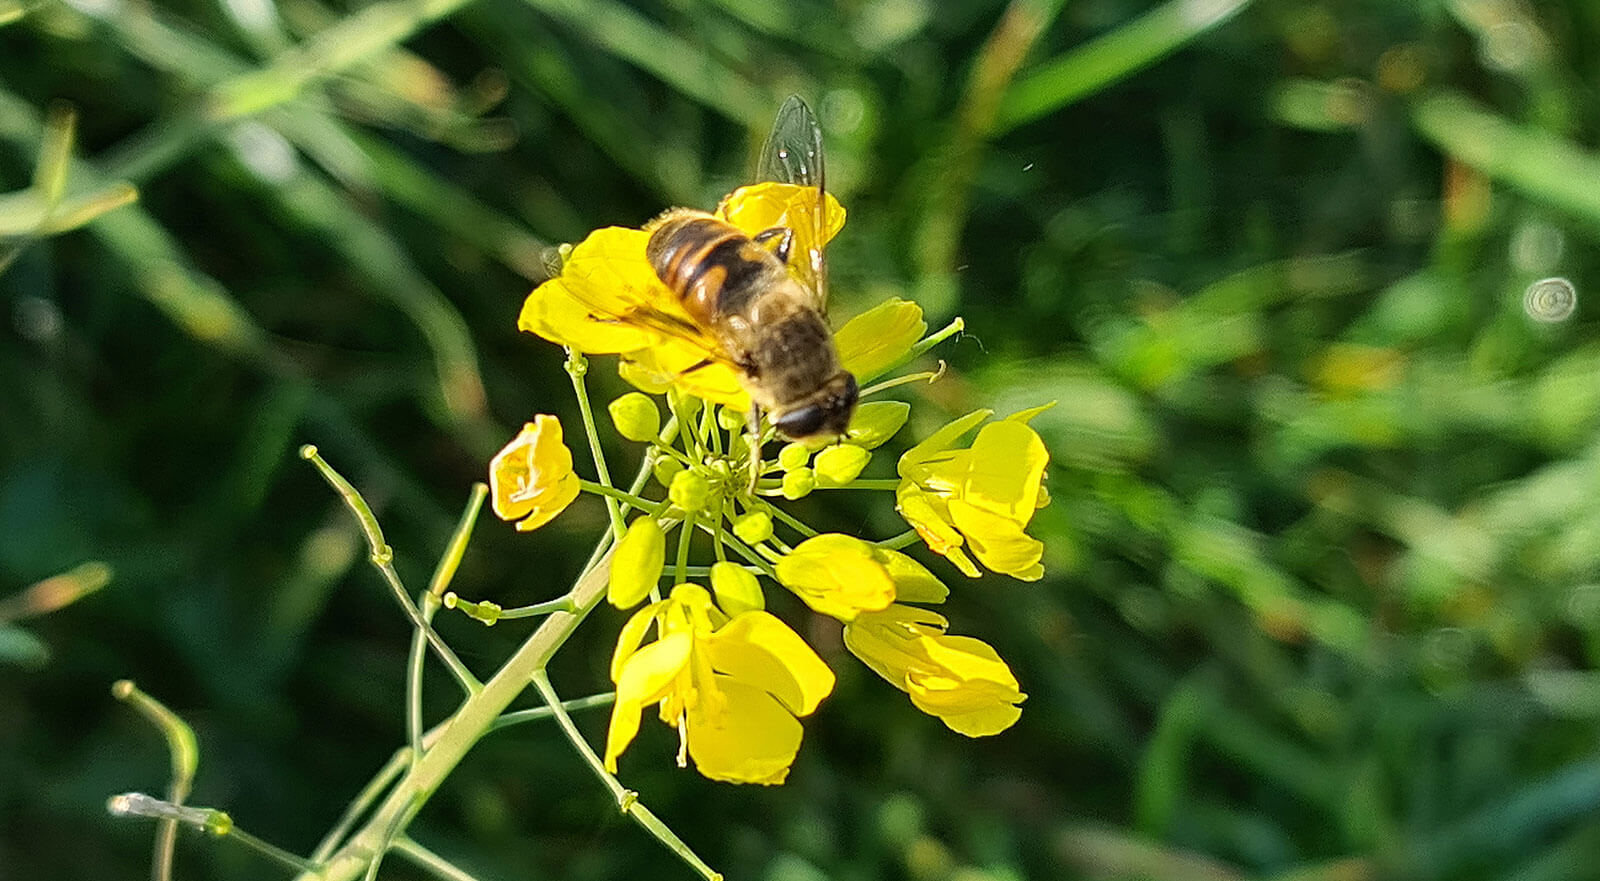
point(1323, 558)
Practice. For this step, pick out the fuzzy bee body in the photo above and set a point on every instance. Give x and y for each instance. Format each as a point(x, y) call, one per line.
point(741, 294)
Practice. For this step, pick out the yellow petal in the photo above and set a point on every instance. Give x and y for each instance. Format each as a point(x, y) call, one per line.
point(760, 207)
point(1003, 473)
point(760, 650)
point(928, 515)
point(632, 634)
point(532, 476)
point(744, 737)
point(837, 575)
point(913, 583)
point(554, 312)
point(636, 563)
point(551, 503)
point(941, 440)
point(998, 542)
point(671, 361)
point(646, 677)
point(880, 338)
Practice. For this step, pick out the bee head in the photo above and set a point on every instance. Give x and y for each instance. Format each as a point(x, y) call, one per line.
point(825, 414)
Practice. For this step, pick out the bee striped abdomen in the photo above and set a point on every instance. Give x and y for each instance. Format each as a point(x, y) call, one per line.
point(711, 266)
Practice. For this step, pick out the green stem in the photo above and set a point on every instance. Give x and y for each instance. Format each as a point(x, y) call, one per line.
point(449, 742)
point(790, 520)
point(382, 557)
point(627, 800)
point(904, 539)
point(744, 550)
point(183, 753)
point(431, 861)
point(612, 493)
point(577, 367)
point(443, 573)
point(536, 714)
point(363, 800)
point(686, 533)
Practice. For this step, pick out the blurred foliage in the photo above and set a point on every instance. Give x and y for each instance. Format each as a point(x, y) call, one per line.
point(1323, 597)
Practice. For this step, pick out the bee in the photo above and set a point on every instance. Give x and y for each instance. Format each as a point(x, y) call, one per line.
point(759, 299)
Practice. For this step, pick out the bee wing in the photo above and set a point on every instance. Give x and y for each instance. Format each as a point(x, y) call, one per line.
point(793, 155)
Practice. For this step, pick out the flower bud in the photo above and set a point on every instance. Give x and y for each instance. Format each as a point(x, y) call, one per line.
point(736, 588)
point(689, 490)
point(636, 416)
point(793, 456)
point(636, 563)
point(754, 527)
point(875, 422)
point(730, 419)
point(665, 469)
point(840, 464)
point(798, 483)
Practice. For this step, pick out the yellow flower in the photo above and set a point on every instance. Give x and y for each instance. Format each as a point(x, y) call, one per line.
point(981, 497)
point(733, 687)
point(843, 576)
point(608, 299)
point(531, 480)
point(957, 678)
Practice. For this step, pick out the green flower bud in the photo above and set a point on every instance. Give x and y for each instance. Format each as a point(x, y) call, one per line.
point(689, 490)
point(736, 588)
point(636, 563)
point(875, 422)
point(730, 419)
point(636, 416)
point(665, 469)
point(754, 527)
point(793, 456)
point(840, 464)
point(798, 483)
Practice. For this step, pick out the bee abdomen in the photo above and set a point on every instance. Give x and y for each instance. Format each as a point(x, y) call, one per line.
point(711, 266)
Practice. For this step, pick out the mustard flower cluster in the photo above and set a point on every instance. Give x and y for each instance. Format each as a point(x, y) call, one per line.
point(732, 678)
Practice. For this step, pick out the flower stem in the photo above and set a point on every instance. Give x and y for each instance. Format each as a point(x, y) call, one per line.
point(480, 713)
point(793, 522)
point(363, 800)
point(535, 714)
point(683, 547)
point(427, 859)
point(627, 799)
point(184, 755)
point(382, 557)
point(577, 367)
point(904, 539)
point(443, 573)
point(619, 495)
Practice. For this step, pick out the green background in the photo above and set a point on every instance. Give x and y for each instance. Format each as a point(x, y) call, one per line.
point(1323, 590)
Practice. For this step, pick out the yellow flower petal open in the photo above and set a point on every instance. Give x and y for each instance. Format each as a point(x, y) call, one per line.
point(957, 678)
point(980, 498)
point(735, 686)
point(531, 480)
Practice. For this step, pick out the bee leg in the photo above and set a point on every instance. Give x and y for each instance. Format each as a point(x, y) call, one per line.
point(754, 437)
point(780, 239)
